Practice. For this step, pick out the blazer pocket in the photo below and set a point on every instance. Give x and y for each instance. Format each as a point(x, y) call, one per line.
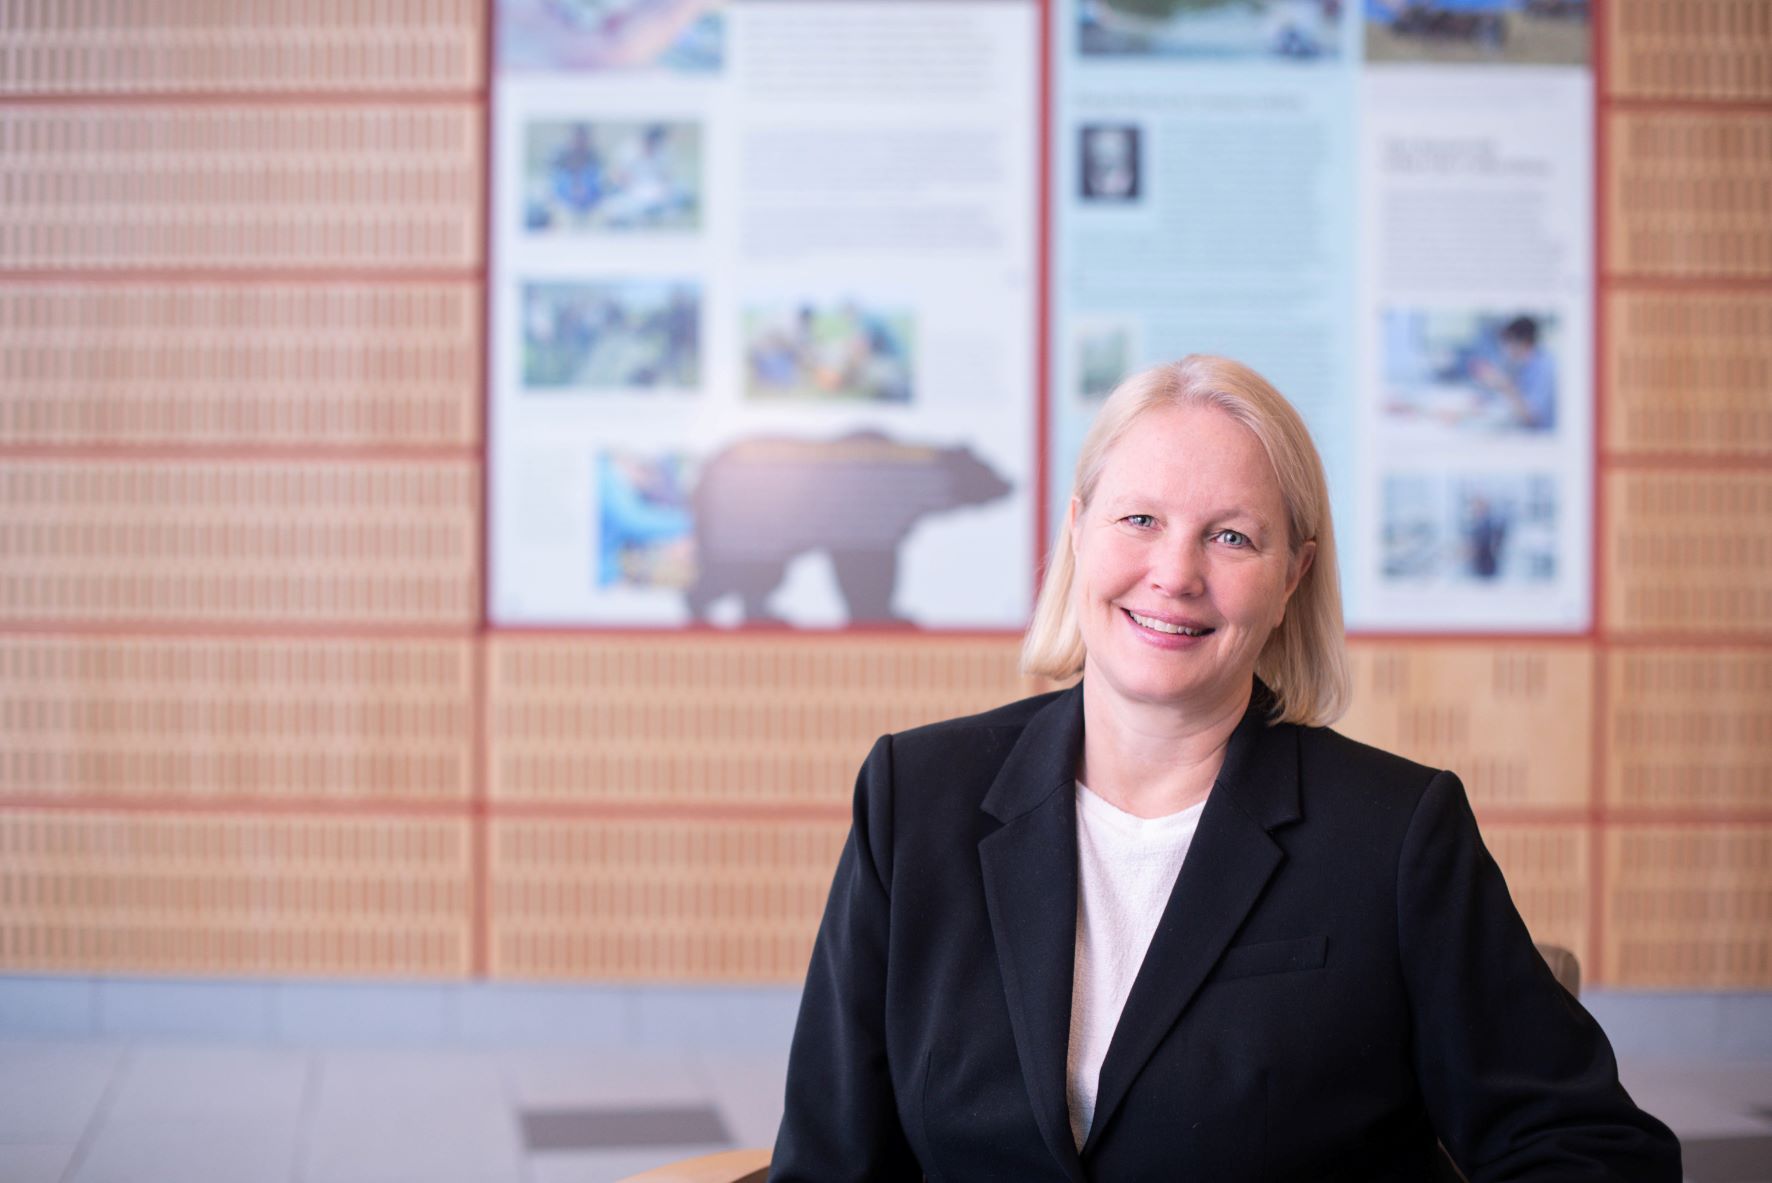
point(1272, 957)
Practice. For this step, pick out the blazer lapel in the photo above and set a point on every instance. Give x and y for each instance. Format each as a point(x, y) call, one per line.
point(1030, 882)
point(1230, 862)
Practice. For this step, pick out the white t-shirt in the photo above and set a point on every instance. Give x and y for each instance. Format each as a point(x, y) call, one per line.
point(1126, 868)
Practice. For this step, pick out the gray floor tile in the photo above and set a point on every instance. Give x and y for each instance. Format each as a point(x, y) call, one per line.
point(409, 1077)
point(31, 1162)
point(388, 1117)
point(574, 1130)
point(593, 1076)
point(380, 1147)
point(748, 1088)
point(48, 1090)
point(171, 1082)
point(189, 1151)
point(1700, 1100)
point(1746, 1159)
point(512, 1015)
point(607, 1167)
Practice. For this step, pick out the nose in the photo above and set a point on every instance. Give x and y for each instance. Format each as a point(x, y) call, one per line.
point(1179, 570)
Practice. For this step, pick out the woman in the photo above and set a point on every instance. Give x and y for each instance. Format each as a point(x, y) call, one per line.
point(1165, 924)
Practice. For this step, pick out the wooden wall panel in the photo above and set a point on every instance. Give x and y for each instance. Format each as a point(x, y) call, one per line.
point(1689, 730)
point(1512, 719)
point(239, 541)
point(1688, 552)
point(669, 900)
point(225, 187)
point(1691, 373)
point(1715, 49)
point(179, 893)
point(160, 719)
point(663, 719)
point(1549, 875)
point(151, 46)
point(241, 267)
point(1686, 193)
point(1689, 907)
point(240, 364)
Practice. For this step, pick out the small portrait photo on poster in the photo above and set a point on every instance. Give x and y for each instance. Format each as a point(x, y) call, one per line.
point(1110, 162)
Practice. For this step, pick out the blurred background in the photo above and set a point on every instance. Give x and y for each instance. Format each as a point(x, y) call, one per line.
point(413, 767)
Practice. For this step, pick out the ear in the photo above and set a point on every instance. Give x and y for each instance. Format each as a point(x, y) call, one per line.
point(1301, 562)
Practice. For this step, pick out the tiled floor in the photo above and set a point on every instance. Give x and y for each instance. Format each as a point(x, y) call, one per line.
point(80, 1112)
point(169, 1112)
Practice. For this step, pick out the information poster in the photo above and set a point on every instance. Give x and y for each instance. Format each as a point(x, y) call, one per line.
point(763, 304)
point(1386, 208)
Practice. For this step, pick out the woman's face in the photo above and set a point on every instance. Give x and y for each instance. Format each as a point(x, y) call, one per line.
point(1184, 564)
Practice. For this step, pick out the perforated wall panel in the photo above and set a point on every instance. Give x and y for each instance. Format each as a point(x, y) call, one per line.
point(160, 719)
point(240, 364)
point(164, 892)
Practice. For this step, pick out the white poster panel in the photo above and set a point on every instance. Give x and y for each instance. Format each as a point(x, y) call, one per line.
point(763, 314)
point(1476, 331)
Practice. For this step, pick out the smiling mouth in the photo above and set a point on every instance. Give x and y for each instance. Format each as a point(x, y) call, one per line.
point(1163, 626)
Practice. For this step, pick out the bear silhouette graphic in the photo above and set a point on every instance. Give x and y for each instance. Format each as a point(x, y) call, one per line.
point(762, 502)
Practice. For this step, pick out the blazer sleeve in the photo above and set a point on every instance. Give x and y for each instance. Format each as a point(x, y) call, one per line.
point(840, 1121)
point(1519, 1080)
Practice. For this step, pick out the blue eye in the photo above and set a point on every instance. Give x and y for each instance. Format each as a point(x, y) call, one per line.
point(1233, 538)
point(1141, 520)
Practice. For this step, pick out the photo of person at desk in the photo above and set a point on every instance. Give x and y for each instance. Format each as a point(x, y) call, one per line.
point(1525, 378)
point(1469, 372)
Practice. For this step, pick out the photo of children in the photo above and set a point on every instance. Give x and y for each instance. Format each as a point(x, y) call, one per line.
point(1517, 32)
point(611, 176)
point(1298, 30)
point(843, 351)
point(1470, 371)
point(569, 35)
point(1480, 528)
point(645, 531)
point(614, 335)
point(1110, 164)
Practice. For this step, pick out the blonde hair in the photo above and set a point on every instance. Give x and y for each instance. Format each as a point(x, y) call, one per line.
point(1305, 659)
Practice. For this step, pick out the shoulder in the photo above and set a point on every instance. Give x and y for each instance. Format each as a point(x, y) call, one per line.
point(1362, 784)
point(1009, 719)
point(948, 766)
point(1328, 754)
point(964, 749)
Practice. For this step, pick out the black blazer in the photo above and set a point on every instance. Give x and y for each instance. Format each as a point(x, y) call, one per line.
point(1339, 980)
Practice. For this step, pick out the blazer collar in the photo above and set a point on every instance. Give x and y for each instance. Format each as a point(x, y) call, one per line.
point(1030, 880)
point(1030, 886)
point(1261, 774)
point(1043, 759)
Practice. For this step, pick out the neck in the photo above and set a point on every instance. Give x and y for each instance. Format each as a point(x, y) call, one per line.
point(1151, 760)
